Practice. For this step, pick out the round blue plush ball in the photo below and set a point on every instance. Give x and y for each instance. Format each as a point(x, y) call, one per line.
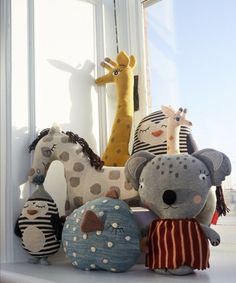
point(115, 248)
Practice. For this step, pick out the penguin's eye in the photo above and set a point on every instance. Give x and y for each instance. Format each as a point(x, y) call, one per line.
point(39, 206)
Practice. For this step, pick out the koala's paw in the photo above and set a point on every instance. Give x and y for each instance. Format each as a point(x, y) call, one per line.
point(214, 238)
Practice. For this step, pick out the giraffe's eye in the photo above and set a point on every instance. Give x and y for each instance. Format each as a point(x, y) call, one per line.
point(116, 72)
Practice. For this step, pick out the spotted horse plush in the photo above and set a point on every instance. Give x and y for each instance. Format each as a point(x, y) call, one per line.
point(102, 235)
point(175, 188)
point(85, 175)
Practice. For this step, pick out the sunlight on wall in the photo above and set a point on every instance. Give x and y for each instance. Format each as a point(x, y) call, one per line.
point(65, 62)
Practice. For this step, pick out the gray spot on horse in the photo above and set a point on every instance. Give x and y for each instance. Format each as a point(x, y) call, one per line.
point(48, 138)
point(64, 156)
point(78, 167)
point(46, 151)
point(95, 189)
point(74, 181)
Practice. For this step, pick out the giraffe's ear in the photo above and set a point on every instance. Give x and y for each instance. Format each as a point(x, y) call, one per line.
point(123, 59)
point(132, 61)
point(168, 110)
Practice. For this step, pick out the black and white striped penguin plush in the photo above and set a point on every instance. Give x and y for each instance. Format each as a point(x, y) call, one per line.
point(39, 226)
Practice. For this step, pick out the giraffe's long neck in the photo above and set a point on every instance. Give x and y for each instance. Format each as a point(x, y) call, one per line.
point(125, 99)
point(172, 139)
point(117, 150)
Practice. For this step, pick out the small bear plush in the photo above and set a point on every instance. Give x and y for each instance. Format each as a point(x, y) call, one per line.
point(102, 235)
point(175, 188)
point(39, 226)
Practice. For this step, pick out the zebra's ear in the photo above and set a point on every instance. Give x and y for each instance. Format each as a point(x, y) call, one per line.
point(134, 166)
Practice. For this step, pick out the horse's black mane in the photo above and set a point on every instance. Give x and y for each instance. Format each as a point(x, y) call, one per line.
point(95, 160)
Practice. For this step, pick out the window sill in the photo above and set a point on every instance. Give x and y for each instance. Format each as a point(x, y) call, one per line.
point(222, 261)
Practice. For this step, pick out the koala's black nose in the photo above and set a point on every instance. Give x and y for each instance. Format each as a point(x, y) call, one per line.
point(169, 197)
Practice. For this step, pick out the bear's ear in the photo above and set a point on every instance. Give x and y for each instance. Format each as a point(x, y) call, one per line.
point(217, 163)
point(134, 166)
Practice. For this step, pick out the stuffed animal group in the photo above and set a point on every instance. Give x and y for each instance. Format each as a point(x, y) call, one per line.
point(100, 231)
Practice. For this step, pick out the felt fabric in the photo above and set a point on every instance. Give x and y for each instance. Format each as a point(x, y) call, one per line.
point(177, 242)
point(121, 74)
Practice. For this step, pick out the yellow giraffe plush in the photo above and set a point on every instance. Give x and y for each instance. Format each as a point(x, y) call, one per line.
point(120, 72)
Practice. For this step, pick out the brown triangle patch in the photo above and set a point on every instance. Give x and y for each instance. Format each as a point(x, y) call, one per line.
point(91, 223)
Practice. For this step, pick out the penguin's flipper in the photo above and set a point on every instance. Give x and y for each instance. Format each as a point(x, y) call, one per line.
point(57, 225)
point(17, 228)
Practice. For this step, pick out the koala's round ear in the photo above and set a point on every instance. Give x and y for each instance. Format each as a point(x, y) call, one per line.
point(217, 163)
point(134, 166)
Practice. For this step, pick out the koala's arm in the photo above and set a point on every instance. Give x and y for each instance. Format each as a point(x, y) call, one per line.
point(211, 234)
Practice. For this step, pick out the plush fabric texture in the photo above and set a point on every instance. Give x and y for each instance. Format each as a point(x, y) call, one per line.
point(176, 187)
point(39, 225)
point(151, 135)
point(175, 243)
point(120, 72)
point(84, 181)
point(115, 248)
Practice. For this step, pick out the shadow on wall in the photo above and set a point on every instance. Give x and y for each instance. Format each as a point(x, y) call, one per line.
point(80, 85)
point(81, 122)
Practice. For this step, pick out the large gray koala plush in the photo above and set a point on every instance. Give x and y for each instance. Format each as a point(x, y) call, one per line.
point(175, 188)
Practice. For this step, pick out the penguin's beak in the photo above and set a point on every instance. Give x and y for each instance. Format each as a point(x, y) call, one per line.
point(32, 211)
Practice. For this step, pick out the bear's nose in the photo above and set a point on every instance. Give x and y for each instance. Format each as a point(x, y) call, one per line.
point(169, 197)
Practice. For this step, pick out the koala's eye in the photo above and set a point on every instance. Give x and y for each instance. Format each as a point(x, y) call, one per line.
point(116, 72)
point(202, 176)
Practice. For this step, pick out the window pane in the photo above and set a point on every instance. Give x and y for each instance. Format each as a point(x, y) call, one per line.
point(192, 63)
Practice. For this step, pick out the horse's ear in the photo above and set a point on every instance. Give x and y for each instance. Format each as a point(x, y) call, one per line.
point(54, 129)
